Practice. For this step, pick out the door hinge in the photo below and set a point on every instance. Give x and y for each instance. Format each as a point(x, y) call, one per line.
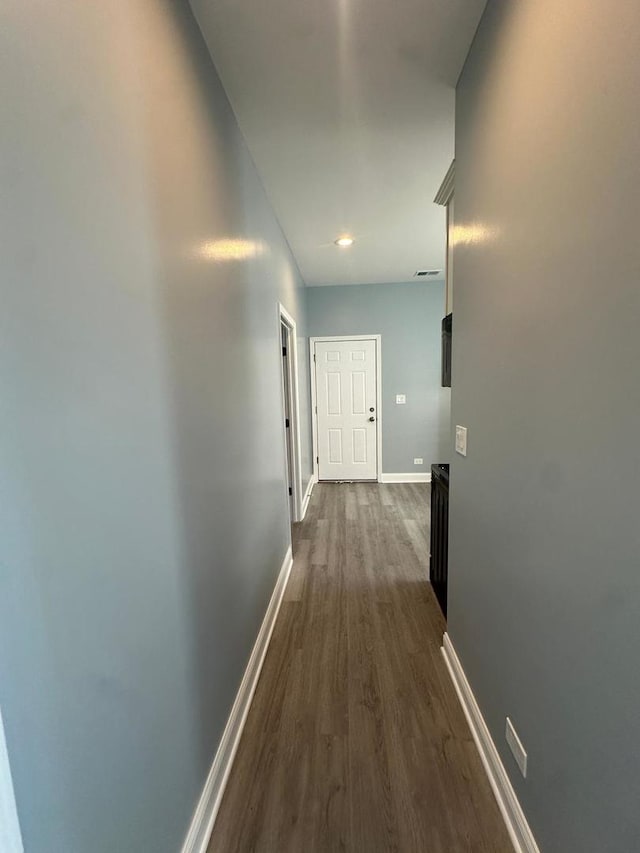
point(290, 490)
point(314, 357)
point(284, 351)
point(286, 422)
point(317, 460)
point(316, 410)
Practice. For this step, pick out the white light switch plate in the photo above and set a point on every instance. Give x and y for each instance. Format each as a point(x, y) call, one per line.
point(461, 440)
point(401, 399)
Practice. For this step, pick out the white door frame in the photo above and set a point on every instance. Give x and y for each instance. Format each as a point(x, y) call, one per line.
point(314, 406)
point(10, 838)
point(294, 408)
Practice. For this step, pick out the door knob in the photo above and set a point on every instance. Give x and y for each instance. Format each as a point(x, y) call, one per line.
point(372, 419)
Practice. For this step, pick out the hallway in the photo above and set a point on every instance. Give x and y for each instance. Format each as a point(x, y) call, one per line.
point(355, 740)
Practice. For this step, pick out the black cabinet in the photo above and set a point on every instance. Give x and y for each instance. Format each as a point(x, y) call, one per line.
point(439, 562)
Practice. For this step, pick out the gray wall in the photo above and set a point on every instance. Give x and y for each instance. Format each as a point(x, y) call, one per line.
point(143, 515)
point(409, 317)
point(545, 540)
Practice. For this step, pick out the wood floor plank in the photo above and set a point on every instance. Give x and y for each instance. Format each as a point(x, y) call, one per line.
point(299, 570)
point(355, 741)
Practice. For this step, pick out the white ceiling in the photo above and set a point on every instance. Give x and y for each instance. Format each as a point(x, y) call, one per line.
point(348, 109)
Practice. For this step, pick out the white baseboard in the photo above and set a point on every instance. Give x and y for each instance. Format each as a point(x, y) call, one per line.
point(412, 477)
point(307, 496)
point(204, 817)
point(10, 838)
point(514, 818)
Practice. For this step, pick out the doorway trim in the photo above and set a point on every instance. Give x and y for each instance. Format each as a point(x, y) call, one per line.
point(284, 318)
point(314, 404)
point(10, 838)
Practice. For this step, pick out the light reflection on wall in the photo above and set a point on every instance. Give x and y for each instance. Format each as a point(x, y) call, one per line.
point(231, 249)
point(468, 235)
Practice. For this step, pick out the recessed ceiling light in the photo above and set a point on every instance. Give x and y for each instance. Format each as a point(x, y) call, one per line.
point(344, 241)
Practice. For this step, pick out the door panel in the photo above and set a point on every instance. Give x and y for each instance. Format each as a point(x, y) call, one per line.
point(346, 374)
point(359, 446)
point(335, 446)
point(334, 394)
point(358, 394)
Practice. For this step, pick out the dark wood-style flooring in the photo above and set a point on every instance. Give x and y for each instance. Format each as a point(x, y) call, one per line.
point(355, 740)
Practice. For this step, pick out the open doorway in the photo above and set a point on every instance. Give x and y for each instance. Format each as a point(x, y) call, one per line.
point(290, 412)
point(439, 534)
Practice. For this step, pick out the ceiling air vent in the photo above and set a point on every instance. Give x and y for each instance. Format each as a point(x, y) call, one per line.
point(422, 273)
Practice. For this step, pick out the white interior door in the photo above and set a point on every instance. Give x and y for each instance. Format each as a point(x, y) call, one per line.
point(288, 425)
point(346, 399)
